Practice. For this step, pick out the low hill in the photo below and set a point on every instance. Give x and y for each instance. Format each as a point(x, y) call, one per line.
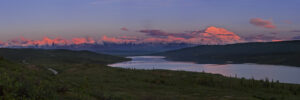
point(43, 56)
point(278, 53)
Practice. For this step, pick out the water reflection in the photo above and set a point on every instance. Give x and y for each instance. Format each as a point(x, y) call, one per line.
point(282, 73)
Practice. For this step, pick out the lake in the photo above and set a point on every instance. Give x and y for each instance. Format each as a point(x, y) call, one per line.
point(284, 74)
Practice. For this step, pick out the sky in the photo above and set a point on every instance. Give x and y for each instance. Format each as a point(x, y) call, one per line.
point(36, 19)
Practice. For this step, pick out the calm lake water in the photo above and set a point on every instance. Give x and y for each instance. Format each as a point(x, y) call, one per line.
point(284, 74)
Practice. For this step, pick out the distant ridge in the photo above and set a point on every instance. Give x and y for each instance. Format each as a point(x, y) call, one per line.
point(123, 49)
point(278, 53)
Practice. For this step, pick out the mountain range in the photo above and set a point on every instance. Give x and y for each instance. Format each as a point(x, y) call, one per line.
point(124, 49)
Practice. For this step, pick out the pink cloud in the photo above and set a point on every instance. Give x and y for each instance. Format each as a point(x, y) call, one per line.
point(117, 40)
point(124, 29)
point(263, 38)
point(83, 41)
point(211, 35)
point(262, 23)
point(287, 22)
point(277, 40)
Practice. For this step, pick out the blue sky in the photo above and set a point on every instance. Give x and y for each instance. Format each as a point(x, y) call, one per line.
point(72, 18)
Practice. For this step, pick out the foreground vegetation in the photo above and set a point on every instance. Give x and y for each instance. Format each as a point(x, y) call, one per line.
point(277, 53)
point(25, 75)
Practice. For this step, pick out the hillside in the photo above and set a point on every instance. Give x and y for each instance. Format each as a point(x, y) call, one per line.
point(54, 56)
point(82, 75)
point(278, 53)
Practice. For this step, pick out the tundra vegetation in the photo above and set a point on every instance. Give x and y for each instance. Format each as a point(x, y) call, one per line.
point(84, 75)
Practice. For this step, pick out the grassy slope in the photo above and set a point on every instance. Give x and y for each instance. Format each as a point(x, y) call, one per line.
point(279, 53)
point(37, 56)
point(88, 78)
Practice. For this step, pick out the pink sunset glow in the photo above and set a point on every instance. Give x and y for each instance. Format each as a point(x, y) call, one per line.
point(211, 35)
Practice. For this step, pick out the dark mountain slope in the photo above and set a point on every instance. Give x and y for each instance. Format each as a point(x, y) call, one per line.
point(282, 53)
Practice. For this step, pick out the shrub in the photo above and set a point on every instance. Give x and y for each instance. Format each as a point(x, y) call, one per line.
point(1, 58)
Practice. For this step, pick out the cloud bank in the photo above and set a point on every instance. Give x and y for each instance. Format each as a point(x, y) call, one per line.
point(210, 36)
point(295, 31)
